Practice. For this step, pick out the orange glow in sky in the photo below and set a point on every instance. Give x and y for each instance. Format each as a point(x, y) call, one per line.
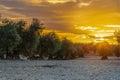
point(82, 21)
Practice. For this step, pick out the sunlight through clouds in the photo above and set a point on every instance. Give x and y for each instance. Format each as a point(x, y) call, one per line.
point(86, 28)
point(112, 26)
point(78, 18)
point(82, 3)
point(50, 1)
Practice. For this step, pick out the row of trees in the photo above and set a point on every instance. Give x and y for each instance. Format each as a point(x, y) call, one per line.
point(28, 40)
point(22, 39)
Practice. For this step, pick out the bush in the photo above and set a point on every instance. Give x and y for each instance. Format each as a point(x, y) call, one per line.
point(117, 51)
point(48, 46)
point(104, 50)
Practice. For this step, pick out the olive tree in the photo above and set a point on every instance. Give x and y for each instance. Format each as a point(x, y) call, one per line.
point(29, 36)
point(67, 50)
point(49, 44)
point(9, 38)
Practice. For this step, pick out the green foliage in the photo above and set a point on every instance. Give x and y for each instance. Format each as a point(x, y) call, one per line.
point(66, 51)
point(17, 37)
point(21, 27)
point(30, 37)
point(35, 26)
point(49, 44)
point(33, 36)
point(9, 38)
point(21, 48)
point(79, 52)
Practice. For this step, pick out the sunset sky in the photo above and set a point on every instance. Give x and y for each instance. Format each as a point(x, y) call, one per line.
point(78, 20)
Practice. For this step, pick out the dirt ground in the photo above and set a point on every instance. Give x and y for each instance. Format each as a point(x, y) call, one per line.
point(79, 69)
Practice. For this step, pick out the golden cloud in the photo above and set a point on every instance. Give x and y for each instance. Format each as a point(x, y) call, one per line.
point(50, 1)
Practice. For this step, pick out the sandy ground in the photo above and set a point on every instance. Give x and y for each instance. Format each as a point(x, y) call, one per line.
point(80, 69)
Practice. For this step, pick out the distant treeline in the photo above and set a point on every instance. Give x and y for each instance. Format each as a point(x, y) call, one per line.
point(18, 39)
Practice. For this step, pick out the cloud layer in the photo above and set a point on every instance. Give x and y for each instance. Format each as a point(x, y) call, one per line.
point(63, 15)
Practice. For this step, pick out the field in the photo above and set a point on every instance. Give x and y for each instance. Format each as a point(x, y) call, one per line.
point(80, 69)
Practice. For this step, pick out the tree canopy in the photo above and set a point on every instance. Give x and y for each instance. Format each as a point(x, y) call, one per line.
point(9, 37)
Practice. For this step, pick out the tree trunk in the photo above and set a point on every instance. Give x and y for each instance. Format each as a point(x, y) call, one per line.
point(4, 56)
point(7, 52)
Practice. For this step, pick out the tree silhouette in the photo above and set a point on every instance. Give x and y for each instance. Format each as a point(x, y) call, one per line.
point(31, 37)
point(117, 48)
point(9, 38)
point(103, 50)
point(49, 44)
